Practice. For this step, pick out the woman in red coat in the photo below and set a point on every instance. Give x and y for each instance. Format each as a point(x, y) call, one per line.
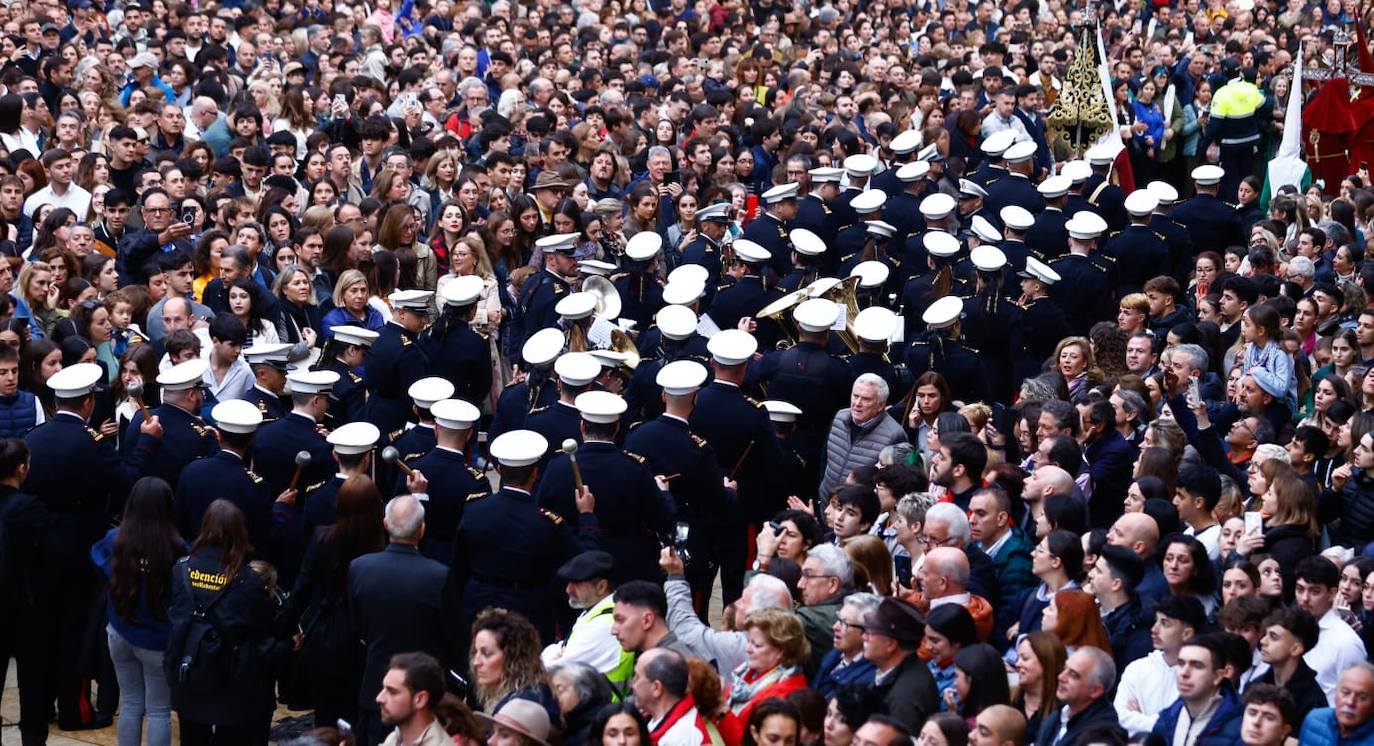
point(775, 651)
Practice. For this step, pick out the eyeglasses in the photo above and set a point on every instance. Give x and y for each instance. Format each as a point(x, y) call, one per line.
point(846, 626)
point(815, 576)
point(931, 542)
point(157, 210)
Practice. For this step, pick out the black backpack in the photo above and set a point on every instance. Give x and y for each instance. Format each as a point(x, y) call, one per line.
point(200, 658)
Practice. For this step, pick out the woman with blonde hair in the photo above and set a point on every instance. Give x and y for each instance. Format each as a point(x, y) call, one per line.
point(470, 258)
point(774, 655)
point(440, 180)
point(35, 288)
point(351, 305)
point(1073, 359)
point(260, 91)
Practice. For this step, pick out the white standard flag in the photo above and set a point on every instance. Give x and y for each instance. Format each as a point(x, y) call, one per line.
point(1288, 166)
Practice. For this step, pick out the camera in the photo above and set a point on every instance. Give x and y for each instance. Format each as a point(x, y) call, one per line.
point(188, 216)
point(777, 528)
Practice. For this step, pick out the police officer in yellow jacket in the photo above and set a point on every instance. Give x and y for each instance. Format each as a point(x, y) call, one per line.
point(1234, 126)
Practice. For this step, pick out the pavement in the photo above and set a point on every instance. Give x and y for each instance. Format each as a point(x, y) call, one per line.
point(284, 721)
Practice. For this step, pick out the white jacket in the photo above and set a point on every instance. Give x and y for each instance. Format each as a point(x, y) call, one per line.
point(1153, 685)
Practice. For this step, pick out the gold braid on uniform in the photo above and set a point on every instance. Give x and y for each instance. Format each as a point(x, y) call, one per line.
point(1080, 115)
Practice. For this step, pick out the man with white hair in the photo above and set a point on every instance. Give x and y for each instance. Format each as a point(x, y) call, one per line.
point(724, 648)
point(1082, 689)
point(948, 527)
point(845, 664)
point(827, 575)
point(401, 602)
point(858, 434)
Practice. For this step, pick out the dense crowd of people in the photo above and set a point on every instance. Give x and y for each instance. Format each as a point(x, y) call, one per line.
point(430, 368)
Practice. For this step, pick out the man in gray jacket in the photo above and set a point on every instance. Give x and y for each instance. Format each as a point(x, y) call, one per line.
point(723, 648)
point(859, 433)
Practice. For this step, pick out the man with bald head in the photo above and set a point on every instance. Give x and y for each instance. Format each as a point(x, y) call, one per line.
point(1043, 481)
point(998, 725)
point(1139, 533)
point(943, 579)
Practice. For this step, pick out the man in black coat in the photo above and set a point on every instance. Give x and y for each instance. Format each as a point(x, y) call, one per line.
point(892, 633)
point(452, 481)
point(400, 601)
point(1285, 636)
point(161, 231)
point(1088, 678)
point(633, 505)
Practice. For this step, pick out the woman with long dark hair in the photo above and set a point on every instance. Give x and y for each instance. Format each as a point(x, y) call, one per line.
point(42, 359)
point(216, 582)
point(248, 303)
point(319, 601)
point(136, 558)
point(27, 525)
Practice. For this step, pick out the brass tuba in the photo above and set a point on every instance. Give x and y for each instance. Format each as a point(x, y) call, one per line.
point(778, 311)
point(607, 297)
point(845, 293)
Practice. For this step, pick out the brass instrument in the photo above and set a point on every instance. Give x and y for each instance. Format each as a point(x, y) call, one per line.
point(621, 343)
point(845, 293)
point(778, 311)
point(607, 297)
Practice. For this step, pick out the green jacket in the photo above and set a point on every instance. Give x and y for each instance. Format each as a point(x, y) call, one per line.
point(819, 624)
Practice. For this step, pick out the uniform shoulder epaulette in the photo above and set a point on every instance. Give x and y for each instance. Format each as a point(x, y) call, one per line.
point(315, 486)
point(1108, 257)
point(513, 383)
point(558, 289)
point(618, 276)
point(753, 402)
point(700, 441)
point(253, 476)
point(412, 456)
point(552, 516)
point(724, 286)
point(476, 473)
point(537, 410)
point(477, 496)
point(1113, 234)
point(354, 377)
point(974, 350)
point(636, 424)
point(1159, 235)
point(262, 406)
point(96, 435)
point(394, 434)
point(485, 336)
point(199, 429)
point(406, 341)
point(1232, 205)
point(635, 456)
point(661, 282)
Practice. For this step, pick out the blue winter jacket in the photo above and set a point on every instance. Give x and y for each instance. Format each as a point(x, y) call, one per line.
point(1320, 729)
point(1222, 730)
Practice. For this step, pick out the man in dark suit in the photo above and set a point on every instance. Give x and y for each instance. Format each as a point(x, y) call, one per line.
point(1212, 223)
point(1110, 460)
point(892, 633)
point(400, 601)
